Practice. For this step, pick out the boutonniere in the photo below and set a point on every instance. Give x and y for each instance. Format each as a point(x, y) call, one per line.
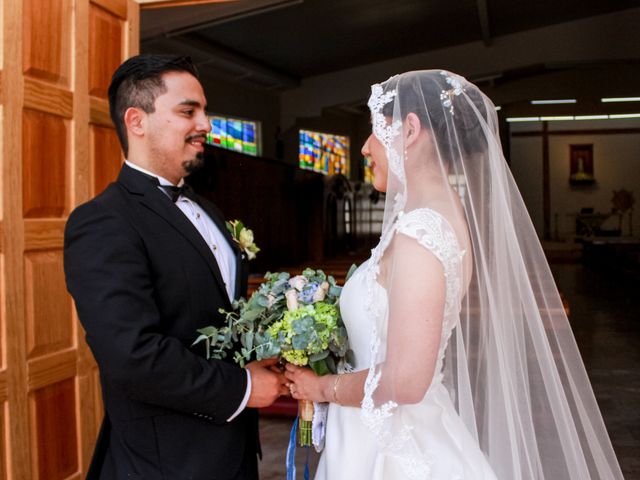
point(243, 237)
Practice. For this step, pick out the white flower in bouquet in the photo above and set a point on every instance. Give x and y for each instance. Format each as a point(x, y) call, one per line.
point(292, 299)
point(271, 299)
point(321, 292)
point(298, 282)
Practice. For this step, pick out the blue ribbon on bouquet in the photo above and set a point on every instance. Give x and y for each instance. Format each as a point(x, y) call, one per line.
point(291, 455)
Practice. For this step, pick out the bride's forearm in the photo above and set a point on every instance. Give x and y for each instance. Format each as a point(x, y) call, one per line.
point(345, 389)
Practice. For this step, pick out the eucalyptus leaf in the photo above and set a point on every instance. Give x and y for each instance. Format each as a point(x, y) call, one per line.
point(350, 357)
point(300, 342)
point(263, 301)
point(334, 291)
point(208, 331)
point(351, 271)
point(319, 356)
point(297, 326)
point(249, 340)
point(331, 364)
point(199, 339)
point(320, 367)
point(251, 315)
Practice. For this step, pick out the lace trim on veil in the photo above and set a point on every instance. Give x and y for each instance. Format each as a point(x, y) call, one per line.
point(388, 133)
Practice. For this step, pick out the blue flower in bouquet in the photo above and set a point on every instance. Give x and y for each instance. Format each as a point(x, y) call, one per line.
point(308, 292)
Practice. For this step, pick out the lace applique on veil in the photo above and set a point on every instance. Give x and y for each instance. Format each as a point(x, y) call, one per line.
point(385, 132)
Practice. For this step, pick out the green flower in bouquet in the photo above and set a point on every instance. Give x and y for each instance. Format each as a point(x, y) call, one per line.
point(311, 335)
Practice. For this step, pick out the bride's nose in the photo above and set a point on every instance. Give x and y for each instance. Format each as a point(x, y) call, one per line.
point(365, 147)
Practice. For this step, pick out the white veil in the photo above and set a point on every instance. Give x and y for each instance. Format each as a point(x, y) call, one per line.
point(477, 310)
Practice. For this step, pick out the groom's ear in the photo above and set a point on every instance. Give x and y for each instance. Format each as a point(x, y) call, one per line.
point(412, 128)
point(135, 119)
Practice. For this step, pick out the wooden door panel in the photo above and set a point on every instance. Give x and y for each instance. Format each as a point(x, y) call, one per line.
point(106, 156)
point(47, 45)
point(3, 433)
point(53, 416)
point(2, 325)
point(49, 321)
point(45, 151)
point(105, 48)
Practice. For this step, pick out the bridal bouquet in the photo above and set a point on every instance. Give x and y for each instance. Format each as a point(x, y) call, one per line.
point(296, 318)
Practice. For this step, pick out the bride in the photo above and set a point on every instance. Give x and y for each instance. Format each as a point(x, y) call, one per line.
point(466, 367)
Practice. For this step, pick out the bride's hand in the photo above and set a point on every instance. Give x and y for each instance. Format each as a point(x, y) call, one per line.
point(306, 385)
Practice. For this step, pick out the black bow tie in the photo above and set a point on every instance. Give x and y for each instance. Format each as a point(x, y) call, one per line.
point(175, 192)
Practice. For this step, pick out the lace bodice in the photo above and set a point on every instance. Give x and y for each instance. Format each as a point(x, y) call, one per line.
point(435, 233)
point(431, 230)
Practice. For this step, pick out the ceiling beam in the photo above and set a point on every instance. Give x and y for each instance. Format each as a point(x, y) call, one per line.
point(483, 14)
point(151, 4)
point(217, 55)
point(256, 9)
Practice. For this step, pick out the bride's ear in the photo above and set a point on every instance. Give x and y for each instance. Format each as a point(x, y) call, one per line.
point(412, 128)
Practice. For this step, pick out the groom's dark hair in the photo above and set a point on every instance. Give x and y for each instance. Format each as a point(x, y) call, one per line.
point(138, 82)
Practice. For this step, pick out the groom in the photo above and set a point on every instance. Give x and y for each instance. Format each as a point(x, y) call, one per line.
point(148, 262)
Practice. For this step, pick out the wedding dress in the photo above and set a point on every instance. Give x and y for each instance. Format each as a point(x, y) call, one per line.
point(472, 370)
point(451, 453)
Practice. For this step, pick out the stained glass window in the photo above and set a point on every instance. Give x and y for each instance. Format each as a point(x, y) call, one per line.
point(324, 152)
point(234, 134)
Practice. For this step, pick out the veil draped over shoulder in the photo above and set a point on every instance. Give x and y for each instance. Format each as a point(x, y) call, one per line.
point(504, 348)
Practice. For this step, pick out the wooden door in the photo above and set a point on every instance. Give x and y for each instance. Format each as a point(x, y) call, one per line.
point(58, 149)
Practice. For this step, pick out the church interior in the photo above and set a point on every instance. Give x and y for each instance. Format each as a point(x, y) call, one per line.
point(287, 83)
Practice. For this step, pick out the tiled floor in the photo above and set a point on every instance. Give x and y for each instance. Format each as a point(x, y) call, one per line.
point(605, 317)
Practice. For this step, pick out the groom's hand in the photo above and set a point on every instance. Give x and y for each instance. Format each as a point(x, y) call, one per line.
point(267, 383)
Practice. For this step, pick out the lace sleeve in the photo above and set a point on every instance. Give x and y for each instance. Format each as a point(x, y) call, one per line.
point(434, 233)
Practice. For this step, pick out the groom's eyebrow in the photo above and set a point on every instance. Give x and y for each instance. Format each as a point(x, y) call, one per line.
point(191, 103)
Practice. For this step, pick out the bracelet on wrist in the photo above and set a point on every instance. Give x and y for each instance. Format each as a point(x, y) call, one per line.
point(335, 388)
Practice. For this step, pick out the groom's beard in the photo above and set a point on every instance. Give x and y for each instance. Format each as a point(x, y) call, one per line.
point(194, 164)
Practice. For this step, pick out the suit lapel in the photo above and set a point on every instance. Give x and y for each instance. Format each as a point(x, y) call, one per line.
point(155, 200)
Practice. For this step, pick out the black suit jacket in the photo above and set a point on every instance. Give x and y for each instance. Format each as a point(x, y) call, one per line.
point(144, 280)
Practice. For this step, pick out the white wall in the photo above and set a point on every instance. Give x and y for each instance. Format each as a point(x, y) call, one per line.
point(616, 165)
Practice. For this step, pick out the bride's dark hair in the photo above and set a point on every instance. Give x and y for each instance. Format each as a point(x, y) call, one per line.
point(424, 98)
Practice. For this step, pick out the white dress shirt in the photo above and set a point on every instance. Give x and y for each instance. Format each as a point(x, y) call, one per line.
point(219, 246)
